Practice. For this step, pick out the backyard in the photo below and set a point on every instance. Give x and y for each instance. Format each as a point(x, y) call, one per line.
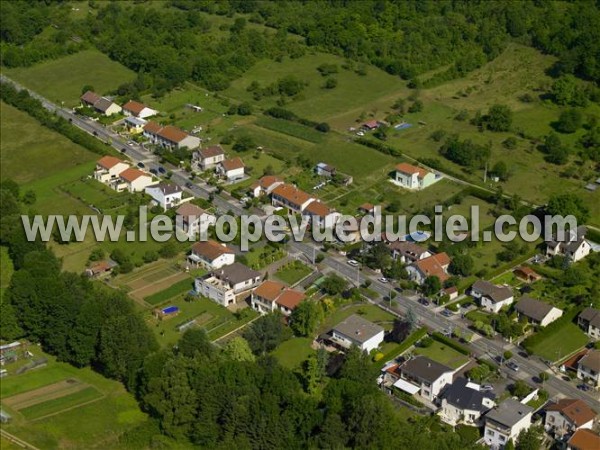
point(443, 354)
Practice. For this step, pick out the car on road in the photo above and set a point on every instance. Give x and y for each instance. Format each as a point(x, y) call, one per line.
point(384, 280)
point(447, 313)
point(130, 143)
point(353, 263)
point(424, 301)
point(141, 165)
point(486, 387)
point(513, 366)
point(124, 150)
point(189, 185)
point(153, 172)
point(584, 387)
point(161, 169)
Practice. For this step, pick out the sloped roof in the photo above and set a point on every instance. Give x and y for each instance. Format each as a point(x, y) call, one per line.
point(411, 170)
point(108, 162)
point(212, 151)
point(152, 127)
point(232, 164)
point(532, 308)
point(316, 208)
point(357, 328)
point(290, 298)
point(434, 265)
point(577, 411)
point(509, 412)
point(591, 360)
point(173, 134)
point(210, 250)
point(236, 273)
point(291, 194)
point(591, 315)
point(493, 292)
point(269, 290)
point(424, 368)
point(166, 188)
point(188, 210)
point(269, 180)
point(460, 395)
point(584, 439)
point(134, 107)
point(103, 103)
point(90, 97)
point(132, 174)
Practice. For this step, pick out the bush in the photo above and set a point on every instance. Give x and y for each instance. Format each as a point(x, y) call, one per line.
point(450, 343)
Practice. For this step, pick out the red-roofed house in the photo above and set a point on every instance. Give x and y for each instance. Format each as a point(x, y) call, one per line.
point(133, 180)
point(413, 177)
point(584, 440)
point(321, 214)
point(207, 158)
point(137, 109)
point(265, 185)
point(192, 219)
point(290, 197)
point(435, 265)
point(567, 415)
point(108, 169)
point(272, 295)
point(170, 136)
point(232, 169)
point(101, 104)
point(371, 125)
point(211, 254)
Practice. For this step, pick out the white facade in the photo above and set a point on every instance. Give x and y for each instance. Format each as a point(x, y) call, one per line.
point(137, 185)
point(232, 174)
point(195, 226)
point(106, 176)
point(222, 260)
point(164, 198)
point(112, 109)
point(191, 142)
point(214, 289)
point(496, 435)
point(453, 415)
point(495, 307)
point(367, 345)
point(555, 420)
point(554, 314)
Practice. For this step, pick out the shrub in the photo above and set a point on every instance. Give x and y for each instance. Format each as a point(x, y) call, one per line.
point(450, 343)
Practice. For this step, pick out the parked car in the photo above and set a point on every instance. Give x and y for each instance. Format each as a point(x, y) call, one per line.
point(123, 150)
point(486, 387)
point(141, 165)
point(153, 172)
point(161, 169)
point(130, 143)
point(353, 263)
point(424, 301)
point(447, 313)
point(384, 280)
point(584, 387)
point(189, 185)
point(513, 366)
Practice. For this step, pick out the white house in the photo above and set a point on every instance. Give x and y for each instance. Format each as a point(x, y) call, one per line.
point(408, 252)
point(435, 265)
point(589, 322)
point(225, 284)
point(492, 298)
point(464, 402)
point(574, 245)
point(108, 169)
point(325, 170)
point(265, 185)
point(132, 180)
point(273, 296)
point(538, 312)
point(207, 158)
point(505, 422)
point(588, 368)
point(193, 220)
point(413, 177)
point(568, 415)
point(321, 215)
point(425, 376)
point(170, 136)
point(211, 254)
point(135, 125)
point(290, 197)
point(232, 169)
point(357, 331)
point(137, 109)
point(166, 195)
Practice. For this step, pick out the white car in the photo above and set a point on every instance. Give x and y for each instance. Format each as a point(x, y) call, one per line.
point(384, 280)
point(360, 133)
point(353, 263)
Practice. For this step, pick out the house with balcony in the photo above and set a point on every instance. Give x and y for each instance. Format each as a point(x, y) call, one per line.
point(224, 285)
point(290, 197)
point(193, 220)
point(464, 402)
point(568, 415)
point(132, 180)
point(424, 376)
point(491, 298)
point(207, 158)
point(505, 421)
point(134, 125)
point(588, 368)
point(573, 245)
point(413, 177)
point(108, 169)
point(273, 296)
point(211, 255)
point(357, 331)
point(408, 252)
point(165, 195)
point(589, 321)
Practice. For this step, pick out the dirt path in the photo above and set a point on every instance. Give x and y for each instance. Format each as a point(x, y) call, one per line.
point(157, 286)
point(44, 394)
point(17, 441)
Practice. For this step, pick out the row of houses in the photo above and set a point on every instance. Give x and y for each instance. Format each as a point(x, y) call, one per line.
point(169, 136)
point(213, 157)
point(106, 106)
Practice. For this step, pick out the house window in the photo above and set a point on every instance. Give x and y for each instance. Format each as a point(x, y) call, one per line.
point(502, 438)
point(551, 419)
point(490, 432)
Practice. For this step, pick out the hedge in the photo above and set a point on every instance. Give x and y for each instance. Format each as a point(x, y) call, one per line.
point(493, 367)
point(553, 328)
point(450, 343)
point(411, 340)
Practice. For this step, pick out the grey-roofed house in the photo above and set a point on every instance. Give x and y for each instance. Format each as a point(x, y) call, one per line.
point(537, 311)
point(427, 375)
point(224, 285)
point(505, 422)
point(573, 245)
point(588, 368)
point(408, 252)
point(464, 402)
point(589, 322)
point(166, 195)
point(355, 330)
point(492, 298)
point(106, 106)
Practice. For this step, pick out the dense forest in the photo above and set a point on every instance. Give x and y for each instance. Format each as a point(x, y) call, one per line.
point(405, 38)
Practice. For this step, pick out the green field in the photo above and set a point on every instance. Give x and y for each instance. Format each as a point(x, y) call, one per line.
point(562, 342)
point(61, 80)
point(6, 270)
point(293, 273)
point(443, 354)
point(32, 152)
point(292, 353)
point(96, 425)
point(291, 128)
point(92, 192)
point(57, 405)
point(180, 287)
point(369, 312)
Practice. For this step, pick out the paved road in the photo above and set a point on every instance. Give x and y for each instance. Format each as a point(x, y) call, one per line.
point(481, 346)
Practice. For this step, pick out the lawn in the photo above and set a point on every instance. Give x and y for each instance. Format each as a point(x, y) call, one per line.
point(443, 354)
point(6, 270)
point(83, 427)
point(369, 312)
point(294, 352)
point(57, 405)
point(38, 153)
point(293, 273)
point(562, 342)
point(262, 255)
point(293, 129)
point(92, 192)
point(61, 80)
point(180, 287)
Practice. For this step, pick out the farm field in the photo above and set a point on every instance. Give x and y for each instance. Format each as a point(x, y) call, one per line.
point(443, 354)
point(62, 79)
point(46, 152)
point(60, 406)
